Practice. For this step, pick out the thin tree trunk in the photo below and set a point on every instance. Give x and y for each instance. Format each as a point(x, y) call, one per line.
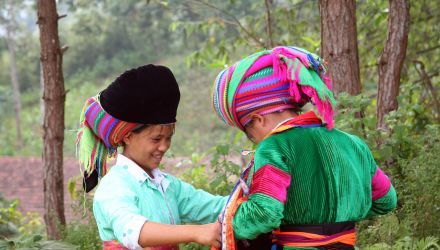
point(270, 43)
point(339, 44)
point(15, 86)
point(391, 60)
point(429, 87)
point(53, 124)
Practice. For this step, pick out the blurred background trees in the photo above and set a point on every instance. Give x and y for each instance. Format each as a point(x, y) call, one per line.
point(197, 38)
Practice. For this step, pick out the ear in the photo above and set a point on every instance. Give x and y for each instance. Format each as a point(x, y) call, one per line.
point(258, 120)
point(127, 138)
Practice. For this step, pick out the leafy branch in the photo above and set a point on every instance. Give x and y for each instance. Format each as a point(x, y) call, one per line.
point(235, 20)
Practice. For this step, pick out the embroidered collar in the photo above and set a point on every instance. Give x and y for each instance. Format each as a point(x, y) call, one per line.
point(308, 119)
point(140, 175)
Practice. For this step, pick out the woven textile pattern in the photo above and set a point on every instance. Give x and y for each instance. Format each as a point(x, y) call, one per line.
point(272, 80)
point(99, 136)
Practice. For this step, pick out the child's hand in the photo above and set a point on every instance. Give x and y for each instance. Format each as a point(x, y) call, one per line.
point(209, 235)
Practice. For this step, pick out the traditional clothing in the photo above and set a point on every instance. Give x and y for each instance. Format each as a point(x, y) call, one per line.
point(308, 183)
point(127, 196)
point(145, 95)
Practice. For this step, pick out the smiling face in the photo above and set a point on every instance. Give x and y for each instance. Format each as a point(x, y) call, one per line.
point(148, 146)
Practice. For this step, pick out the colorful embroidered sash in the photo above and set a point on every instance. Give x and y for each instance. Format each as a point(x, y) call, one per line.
point(303, 239)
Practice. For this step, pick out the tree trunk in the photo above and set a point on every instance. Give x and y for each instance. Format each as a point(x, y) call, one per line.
point(270, 43)
point(53, 124)
point(339, 44)
point(41, 94)
point(391, 60)
point(15, 85)
point(429, 88)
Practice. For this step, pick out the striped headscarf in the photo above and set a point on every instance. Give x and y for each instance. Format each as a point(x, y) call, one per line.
point(99, 136)
point(146, 95)
point(284, 77)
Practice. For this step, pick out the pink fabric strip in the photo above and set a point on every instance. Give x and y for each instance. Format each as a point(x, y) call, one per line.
point(262, 62)
point(380, 185)
point(290, 53)
point(271, 181)
point(115, 245)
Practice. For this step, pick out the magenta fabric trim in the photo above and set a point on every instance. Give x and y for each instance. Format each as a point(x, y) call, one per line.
point(115, 245)
point(262, 62)
point(380, 185)
point(271, 181)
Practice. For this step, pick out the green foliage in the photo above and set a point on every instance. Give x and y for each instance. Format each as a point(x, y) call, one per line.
point(418, 180)
point(9, 218)
point(384, 229)
point(13, 222)
point(408, 152)
point(18, 231)
point(407, 243)
point(230, 30)
point(217, 177)
point(107, 37)
point(26, 232)
point(83, 235)
point(34, 242)
point(192, 246)
point(82, 232)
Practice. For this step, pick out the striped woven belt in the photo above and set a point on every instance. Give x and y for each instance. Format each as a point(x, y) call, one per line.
point(339, 235)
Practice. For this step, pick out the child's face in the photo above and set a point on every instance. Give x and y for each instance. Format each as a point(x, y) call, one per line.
point(147, 147)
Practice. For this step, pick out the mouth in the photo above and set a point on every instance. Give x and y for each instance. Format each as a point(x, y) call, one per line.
point(157, 157)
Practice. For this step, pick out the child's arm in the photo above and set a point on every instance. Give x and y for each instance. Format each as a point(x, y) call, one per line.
point(196, 205)
point(115, 210)
point(264, 209)
point(157, 234)
point(384, 198)
point(116, 213)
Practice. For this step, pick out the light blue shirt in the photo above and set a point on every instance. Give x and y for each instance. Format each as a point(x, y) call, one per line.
point(127, 197)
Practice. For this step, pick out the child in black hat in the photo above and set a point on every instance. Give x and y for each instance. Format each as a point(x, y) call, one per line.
point(136, 205)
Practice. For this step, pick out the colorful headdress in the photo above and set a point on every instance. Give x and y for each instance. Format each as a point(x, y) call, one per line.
point(99, 136)
point(145, 95)
point(282, 78)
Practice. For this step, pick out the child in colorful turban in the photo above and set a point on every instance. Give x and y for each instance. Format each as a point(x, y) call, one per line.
point(308, 183)
point(136, 205)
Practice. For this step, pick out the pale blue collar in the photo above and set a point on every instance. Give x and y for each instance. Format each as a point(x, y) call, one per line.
point(140, 175)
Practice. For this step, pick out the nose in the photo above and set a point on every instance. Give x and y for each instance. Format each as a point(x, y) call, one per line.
point(164, 145)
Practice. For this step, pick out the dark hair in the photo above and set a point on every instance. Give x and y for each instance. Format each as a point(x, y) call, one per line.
point(145, 126)
point(141, 128)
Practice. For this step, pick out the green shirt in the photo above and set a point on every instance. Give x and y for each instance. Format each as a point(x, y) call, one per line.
point(127, 197)
point(310, 176)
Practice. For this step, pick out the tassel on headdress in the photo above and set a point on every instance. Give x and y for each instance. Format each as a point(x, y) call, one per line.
point(91, 151)
point(98, 138)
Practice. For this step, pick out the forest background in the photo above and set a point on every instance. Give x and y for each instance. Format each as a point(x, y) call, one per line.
point(196, 39)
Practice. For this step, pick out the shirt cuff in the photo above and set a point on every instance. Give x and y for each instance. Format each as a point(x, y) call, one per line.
point(132, 230)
